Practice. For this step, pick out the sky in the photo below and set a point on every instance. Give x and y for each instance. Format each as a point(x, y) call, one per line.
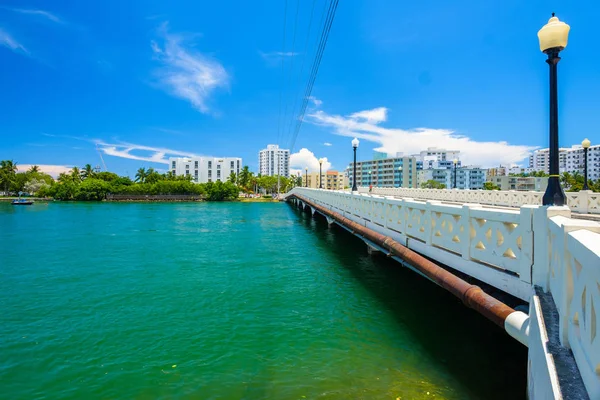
point(129, 84)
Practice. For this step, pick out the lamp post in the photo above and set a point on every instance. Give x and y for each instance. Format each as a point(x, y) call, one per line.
point(306, 179)
point(354, 146)
point(369, 180)
point(400, 176)
point(586, 145)
point(553, 38)
point(299, 179)
point(320, 173)
point(455, 161)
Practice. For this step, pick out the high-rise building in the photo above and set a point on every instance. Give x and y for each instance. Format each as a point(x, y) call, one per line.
point(274, 161)
point(388, 172)
point(569, 160)
point(205, 169)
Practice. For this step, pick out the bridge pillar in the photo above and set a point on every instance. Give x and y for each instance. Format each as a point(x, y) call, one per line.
point(312, 210)
point(371, 249)
point(329, 220)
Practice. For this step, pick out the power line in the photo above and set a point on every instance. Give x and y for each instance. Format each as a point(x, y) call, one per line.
point(291, 54)
point(315, 68)
point(281, 82)
point(305, 56)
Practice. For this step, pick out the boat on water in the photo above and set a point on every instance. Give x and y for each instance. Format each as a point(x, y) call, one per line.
point(21, 202)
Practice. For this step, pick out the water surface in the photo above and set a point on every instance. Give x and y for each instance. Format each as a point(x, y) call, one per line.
point(228, 301)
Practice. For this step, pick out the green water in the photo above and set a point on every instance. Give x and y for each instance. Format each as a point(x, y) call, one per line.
point(228, 301)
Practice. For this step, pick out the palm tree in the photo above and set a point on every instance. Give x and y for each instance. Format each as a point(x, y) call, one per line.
point(8, 171)
point(75, 175)
point(88, 171)
point(566, 178)
point(141, 175)
point(34, 169)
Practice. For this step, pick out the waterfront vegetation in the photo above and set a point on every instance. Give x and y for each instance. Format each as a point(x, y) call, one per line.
point(87, 184)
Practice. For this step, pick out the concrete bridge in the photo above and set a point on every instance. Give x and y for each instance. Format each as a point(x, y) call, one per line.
point(538, 255)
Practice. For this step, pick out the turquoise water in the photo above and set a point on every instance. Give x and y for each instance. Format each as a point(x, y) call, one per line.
point(228, 301)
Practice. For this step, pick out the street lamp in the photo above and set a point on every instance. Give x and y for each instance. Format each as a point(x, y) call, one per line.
point(553, 38)
point(455, 161)
point(586, 145)
point(354, 146)
point(400, 176)
point(299, 179)
point(369, 180)
point(306, 179)
point(320, 173)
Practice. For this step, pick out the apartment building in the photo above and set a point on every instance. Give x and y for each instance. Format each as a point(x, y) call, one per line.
point(332, 180)
point(520, 183)
point(274, 161)
point(205, 169)
point(387, 172)
point(470, 178)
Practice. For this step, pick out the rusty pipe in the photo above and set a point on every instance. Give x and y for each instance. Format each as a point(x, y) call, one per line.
point(471, 295)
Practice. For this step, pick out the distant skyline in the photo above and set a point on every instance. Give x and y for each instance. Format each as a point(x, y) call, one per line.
point(140, 82)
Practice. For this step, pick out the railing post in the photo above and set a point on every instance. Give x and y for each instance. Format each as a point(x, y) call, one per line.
point(526, 226)
point(465, 235)
point(429, 220)
point(405, 216)
point(541, 244)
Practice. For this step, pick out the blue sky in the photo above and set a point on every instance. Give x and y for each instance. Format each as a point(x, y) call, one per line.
point(144, 80)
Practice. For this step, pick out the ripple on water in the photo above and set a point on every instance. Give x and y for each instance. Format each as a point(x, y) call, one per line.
point(245, 300)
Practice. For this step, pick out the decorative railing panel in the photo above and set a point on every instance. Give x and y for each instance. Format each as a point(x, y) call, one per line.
point(581, 202)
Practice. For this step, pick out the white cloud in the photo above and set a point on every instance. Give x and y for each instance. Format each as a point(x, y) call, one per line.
point(315, 101)
point(52, 170)
point(366, 125)
point(41, 13)
point(305, 158)
point(7, 40)
point(327, 144)
point(151, 154)
point(275, 58)
point(185, 73)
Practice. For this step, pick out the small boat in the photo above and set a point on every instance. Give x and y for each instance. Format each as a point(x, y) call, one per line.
point(21, 202)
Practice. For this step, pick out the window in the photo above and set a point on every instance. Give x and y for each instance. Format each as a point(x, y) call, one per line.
point(218, 167)
point(187, 166)
point(187, 173)
point(231, 164)
point(196, 164)
point(209, 164)
point(173, 165)
point(174, 172)
point(218, 174)
point(209, 174)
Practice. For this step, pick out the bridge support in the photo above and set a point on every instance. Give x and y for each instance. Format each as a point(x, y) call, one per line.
point(312, 210)
point(329, 220)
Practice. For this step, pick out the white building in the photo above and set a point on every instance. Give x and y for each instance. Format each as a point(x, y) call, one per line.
point(274, 161)
point(570, 160)
point(538, 160)
point(206, 169)
point(438, 154)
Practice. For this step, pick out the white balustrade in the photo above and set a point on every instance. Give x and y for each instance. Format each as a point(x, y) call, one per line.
point(581, 202)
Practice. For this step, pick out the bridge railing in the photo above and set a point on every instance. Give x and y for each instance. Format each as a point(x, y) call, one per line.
point(582, 202)
point(573, 251)
point(498, 246)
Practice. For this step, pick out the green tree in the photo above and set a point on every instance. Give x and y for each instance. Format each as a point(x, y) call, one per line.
point(244, 178)
point(88, 171)
point(8, 171)
point(152, 176)
point(431, 184)
point(141, 175)
point(232, 178)
point(490, 186)
point(75, 175)
point(34, 169)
